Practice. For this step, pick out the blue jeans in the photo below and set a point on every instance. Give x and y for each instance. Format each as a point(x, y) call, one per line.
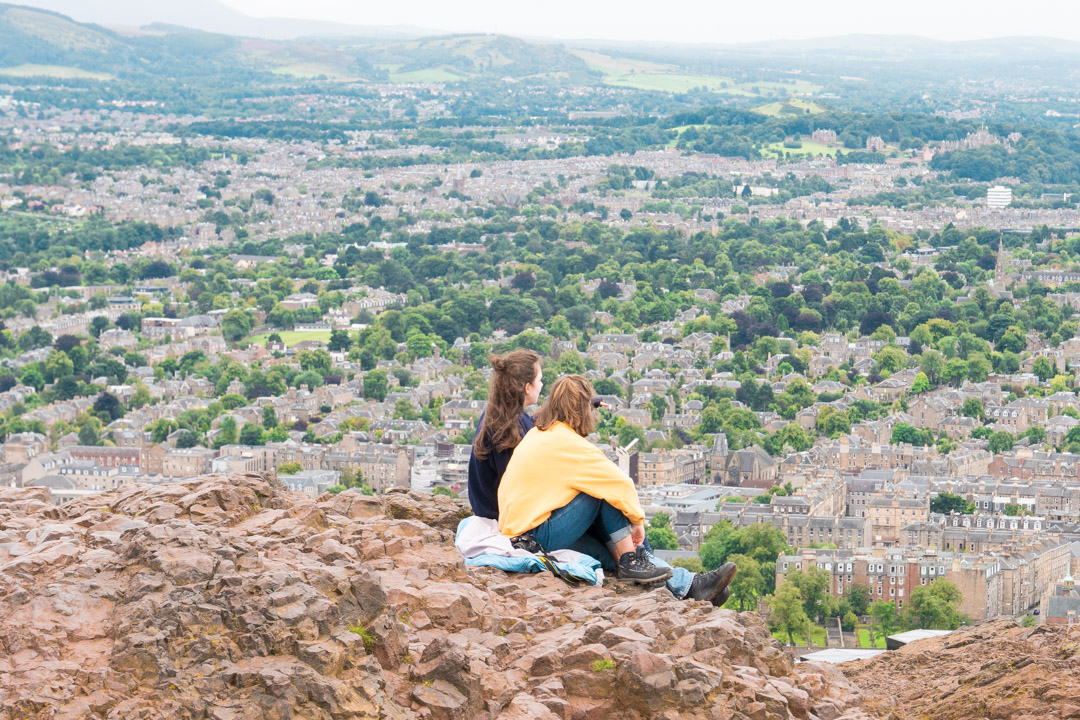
point(681, 578)
point(592, 527)
point(583, 517)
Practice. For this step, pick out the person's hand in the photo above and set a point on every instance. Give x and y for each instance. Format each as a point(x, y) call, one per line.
point(637, 534)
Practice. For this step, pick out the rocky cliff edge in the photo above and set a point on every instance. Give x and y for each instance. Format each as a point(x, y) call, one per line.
point(234, 599)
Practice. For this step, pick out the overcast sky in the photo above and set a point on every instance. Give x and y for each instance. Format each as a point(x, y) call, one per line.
point(722, 21)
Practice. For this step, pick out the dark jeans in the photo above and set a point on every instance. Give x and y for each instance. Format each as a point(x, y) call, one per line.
point(587, 525)
point(592, 527)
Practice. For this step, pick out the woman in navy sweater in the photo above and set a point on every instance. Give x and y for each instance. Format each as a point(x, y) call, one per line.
point(516, 384)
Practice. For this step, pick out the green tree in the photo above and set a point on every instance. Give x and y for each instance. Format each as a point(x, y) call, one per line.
point(141, 397)
point(720, 541)
point(1001, 441)
point(692, 564)
point(934, 607)
point(252, 434)
point(58, 365)
point(1043, 369)
point(269, 417)
point(889, 359)
point(973, 408)
point(315, 361)
point(794, 436)
point(954, 372)
point(748, 584)
point(907, 433)
point(884, 613)
point(99, 325)
point(108, 406)
point(946, 503)
point(921, 383)
point(859, 599)
point(606, 386)
point(339, 341)
point(236, 325)
point(34, 338)
point(375, 384)
point(226, 432)
point(786, 612)
point(932, 364)
point(662, 538)
point(814, 584)
point(657, 406)
point(1012, 341)
point(161, 429)
point(711, 421)
point(570, 363)
point(88, 435)
point(628, 432)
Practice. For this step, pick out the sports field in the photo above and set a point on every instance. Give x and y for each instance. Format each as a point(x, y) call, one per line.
point(809, 148)
point(427, 75)
point(789, 108)
point(55, 71)
point(674, 82)
point(311, 70)
point(291, 337)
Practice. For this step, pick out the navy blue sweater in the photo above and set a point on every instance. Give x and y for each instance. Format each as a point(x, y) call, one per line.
point(485, 475)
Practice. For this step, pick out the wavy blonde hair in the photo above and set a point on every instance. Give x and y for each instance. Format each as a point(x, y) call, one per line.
point(570, 401)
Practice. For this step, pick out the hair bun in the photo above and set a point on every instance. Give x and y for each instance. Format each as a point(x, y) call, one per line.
point(497, 363)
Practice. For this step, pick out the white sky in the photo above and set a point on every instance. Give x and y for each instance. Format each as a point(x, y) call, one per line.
point(693, 21)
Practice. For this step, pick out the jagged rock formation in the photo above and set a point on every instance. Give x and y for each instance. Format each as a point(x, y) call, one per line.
point(233, 599)
point(993, 670)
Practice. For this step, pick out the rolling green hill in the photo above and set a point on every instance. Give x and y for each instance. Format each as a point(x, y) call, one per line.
point(42, 43)
point(444, 59)
point(50, 44)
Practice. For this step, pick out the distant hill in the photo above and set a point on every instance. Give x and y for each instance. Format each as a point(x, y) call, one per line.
point(41, 38)
point(35, 41)
point(886, 48)
point(477, 55)
point(215, 17)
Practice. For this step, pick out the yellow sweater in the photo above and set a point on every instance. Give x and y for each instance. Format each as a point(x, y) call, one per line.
point(548, 469)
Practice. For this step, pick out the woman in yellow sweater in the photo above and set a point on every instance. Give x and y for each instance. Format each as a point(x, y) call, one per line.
point(562, 489)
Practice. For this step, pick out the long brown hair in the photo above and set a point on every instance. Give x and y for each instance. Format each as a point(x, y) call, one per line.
point(570, 402)
point(506, 401)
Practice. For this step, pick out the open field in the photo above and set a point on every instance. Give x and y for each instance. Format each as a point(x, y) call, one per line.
point(674, 82)
point(864, 638)
point(311, 70)
point(809, 148)
point(816, 632)
point(291, 337)
point(799, 87)
point(645, 75)
point(427, 75)
point(618, 66)
point(55, 71)
point(787, 108)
